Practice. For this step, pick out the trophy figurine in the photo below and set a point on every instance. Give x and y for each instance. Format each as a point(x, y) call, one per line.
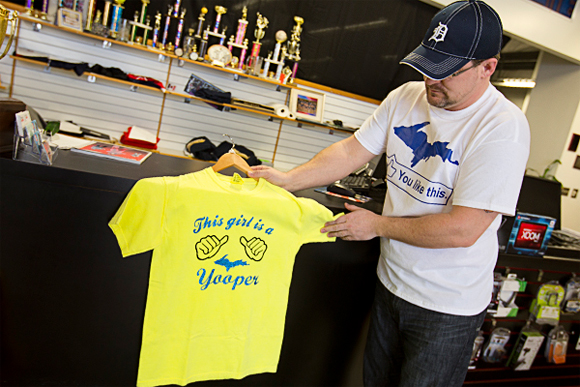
point(240, 41)
point(115, 21)
point(220, 11)
point(293, 47)
point(287, 75)
point(5, 17)
point(259, 33)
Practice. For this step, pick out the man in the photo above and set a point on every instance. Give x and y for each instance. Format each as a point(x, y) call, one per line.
point(456, 154)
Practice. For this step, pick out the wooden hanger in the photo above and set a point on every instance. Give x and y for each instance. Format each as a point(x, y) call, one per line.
point(232, 159)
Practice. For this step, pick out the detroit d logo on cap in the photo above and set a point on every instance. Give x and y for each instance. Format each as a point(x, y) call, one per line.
point(439, 33)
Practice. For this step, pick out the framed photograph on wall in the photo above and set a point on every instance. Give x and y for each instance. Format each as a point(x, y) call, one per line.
point(68, 18)
point(307, 104)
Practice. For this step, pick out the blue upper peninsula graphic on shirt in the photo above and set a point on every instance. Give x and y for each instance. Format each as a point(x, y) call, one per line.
point(416, 139)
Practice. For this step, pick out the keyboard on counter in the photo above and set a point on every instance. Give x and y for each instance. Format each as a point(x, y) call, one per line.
point(360, 184)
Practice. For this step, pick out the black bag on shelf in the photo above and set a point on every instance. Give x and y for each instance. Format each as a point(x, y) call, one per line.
point(244, 152)
point(201, 148)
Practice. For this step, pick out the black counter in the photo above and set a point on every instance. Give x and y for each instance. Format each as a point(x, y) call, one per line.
point(72, 307)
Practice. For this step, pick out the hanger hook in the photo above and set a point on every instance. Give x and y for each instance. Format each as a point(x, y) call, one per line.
point(233, 143)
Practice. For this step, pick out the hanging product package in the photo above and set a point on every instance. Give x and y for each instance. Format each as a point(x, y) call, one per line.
point(526, 348)
point(571, 302)
point(557, 345)
point(546, 306)
point(494, 351)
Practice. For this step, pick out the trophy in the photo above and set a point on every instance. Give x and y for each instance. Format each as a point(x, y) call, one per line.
point(143, 10)
point(194, 54)
point(281, 37)
point(280, 64)
point(259, 33)
point(90, 11)
point(240, 41)
point(4, 19)
point(147, 28)
point(97, 27)
point(220, 11)
point(29, 6)
point(179, 32)
point(293, 47)
point(189, 45)
point(44, 11)
point(215, 33)
point(201, 19)
point(106, 11)
point(117, 12)
point(156, 29)
point(140, 21)
point(176, 10)
point(166, 30)
point(134, 28)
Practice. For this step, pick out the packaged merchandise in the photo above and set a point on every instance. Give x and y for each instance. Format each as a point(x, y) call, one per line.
point(494, 351)
point(571, 302)
point(526, 348)
point(546, 306)
point(557, 345)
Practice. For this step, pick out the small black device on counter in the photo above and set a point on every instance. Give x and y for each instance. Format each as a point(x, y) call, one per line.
point(372, 175)
point(341, 189)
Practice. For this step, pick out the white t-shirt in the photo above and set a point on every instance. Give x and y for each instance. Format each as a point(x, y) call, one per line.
point(474, 157)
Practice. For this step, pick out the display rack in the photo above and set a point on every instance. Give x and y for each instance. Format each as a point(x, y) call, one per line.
point(536, 271)
point(237, 76)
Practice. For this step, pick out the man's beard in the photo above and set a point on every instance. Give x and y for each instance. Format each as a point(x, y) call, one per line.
point(441, 100)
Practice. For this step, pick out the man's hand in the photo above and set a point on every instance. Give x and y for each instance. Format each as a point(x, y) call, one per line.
point(358, 225)
point(270, 174)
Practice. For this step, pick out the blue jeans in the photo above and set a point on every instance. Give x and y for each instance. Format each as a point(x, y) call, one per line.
point(411, 346)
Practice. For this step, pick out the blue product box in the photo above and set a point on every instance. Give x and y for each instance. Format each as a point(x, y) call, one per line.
point(530, 234)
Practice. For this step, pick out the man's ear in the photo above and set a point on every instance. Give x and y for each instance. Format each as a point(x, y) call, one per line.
point(489, 67)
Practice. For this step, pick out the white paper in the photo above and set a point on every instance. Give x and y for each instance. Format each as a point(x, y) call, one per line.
point(68, 142)
point(137, 133)
point(66, 126)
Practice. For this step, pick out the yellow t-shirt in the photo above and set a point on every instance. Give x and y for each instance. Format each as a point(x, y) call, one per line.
point(223, 253)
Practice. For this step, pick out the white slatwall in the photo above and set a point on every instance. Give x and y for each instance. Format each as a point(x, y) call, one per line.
point(111, 107)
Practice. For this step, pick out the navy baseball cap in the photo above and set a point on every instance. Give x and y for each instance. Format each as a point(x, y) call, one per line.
point(461, 32)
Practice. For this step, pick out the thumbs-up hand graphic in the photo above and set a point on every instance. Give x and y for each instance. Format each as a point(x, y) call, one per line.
point(209, 246)
point(255, 248)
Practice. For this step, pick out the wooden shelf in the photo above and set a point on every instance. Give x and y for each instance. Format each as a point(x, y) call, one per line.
point(156, 52)
point(88, 73)
point(188, 96)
